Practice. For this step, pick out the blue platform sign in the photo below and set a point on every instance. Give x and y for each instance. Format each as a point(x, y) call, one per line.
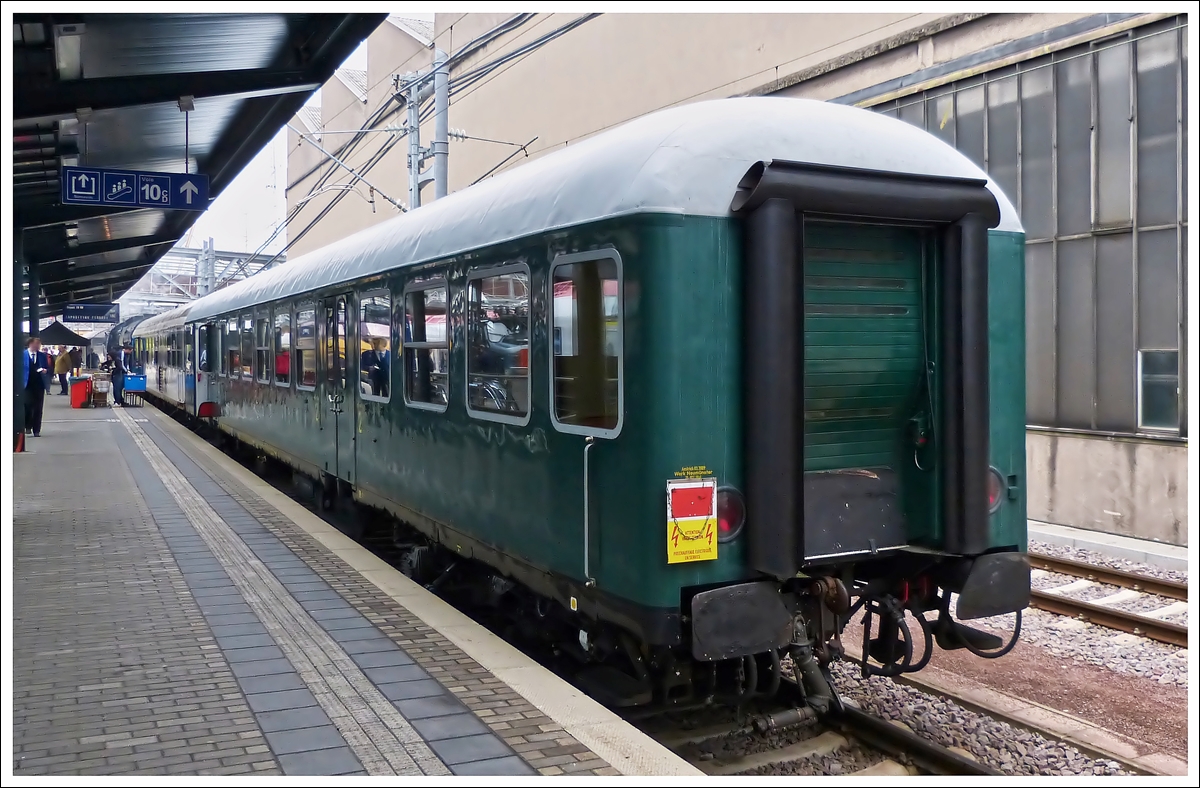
point(176, 191)
point(92, 313)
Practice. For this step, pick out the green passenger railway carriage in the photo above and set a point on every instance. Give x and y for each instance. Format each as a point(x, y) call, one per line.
point(687, 395)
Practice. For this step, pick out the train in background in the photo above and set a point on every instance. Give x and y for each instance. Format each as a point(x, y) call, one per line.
point(682, 398)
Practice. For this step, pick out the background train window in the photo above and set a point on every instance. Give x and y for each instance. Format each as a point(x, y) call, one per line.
point(375, 352)
point(283, 347)
point(233, 347)
point(247, 347)
point(498, 344)
point(587, 344)
point(426, 349)
point(306, 346)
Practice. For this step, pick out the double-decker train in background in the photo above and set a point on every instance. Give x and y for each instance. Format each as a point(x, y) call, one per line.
point(682, 398)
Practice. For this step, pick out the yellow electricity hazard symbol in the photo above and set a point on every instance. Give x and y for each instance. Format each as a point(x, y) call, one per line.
point(691, 520)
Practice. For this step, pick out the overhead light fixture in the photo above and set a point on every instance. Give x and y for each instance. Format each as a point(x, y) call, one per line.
point(68, 43)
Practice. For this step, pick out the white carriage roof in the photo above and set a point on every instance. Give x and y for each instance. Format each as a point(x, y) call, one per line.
point(683, 160)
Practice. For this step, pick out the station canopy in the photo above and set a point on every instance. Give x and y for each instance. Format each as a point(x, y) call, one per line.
point(105, 91)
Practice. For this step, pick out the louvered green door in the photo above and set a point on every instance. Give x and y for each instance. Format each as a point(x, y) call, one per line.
point(863, 373)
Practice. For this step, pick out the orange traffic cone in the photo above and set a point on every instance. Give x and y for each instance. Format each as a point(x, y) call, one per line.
point(20, 442)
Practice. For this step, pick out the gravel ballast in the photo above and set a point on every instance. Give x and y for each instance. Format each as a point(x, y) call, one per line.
point(1100, 559)
point(1008, 748)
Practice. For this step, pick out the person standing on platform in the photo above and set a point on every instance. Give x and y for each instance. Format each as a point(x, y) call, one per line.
point(76, 361)
point(62, 367)
point(118, 377)
point(35, 366)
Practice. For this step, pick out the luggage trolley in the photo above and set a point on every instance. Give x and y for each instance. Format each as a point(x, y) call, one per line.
point(101, 385)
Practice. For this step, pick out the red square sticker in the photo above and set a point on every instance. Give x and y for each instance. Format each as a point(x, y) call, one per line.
point(692, 502)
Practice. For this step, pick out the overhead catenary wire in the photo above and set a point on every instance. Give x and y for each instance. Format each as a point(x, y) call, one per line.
point(392, 107)
point(387, 110)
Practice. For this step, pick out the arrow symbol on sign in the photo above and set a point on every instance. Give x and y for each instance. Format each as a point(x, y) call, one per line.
point(188, 190)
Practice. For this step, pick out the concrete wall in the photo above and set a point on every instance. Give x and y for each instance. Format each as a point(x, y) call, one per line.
point(1121, 486)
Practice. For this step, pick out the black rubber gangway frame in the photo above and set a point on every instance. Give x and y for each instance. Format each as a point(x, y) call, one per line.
point(775, 198)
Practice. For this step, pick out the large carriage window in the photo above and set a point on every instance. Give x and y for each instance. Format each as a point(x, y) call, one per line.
point(247, 347)
point(498, 344)
point(587, 344)
point(426, 349)
point(283, 347)
point(232, 352)
point(306, 346)
point(375, 337)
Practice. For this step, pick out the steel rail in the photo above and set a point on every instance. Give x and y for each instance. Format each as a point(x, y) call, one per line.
point(1112, 577)
point(1153, 628)
point(929, 757)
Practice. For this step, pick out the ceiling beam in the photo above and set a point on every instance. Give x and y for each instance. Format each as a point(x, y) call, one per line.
point(63, 273)
point(100, 247)
point(129, 274)
point(35, 216)
point(63, 99)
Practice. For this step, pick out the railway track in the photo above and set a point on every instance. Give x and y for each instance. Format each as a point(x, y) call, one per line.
point(851, 743)
point(1102, 611)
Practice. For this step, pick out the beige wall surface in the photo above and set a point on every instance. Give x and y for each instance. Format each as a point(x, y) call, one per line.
point(1120, 486)
point(612, 69)
point(605, 72)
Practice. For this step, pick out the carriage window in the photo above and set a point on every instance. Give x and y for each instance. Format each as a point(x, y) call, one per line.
point(426, 349)
point(247, 347)
point(335, 343)
point(306, 346)
point(587, 345)
point(203, 345)
point(232, 348)
point(189, 347)
point(283, 347)
point(498, 345)
point(262, 349)
point(375, 338)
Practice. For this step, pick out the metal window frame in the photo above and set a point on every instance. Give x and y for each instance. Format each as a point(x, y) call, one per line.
point(362, 297)
point(608, 253)
point(304, 306)
point(230, 371)
point(1141, 381)
point(421, 287)
point(243, 330)
point(283, 310)
point(476, 276)
point(261, 316)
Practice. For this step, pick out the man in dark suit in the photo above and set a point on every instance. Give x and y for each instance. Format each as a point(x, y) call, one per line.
point(36, 366)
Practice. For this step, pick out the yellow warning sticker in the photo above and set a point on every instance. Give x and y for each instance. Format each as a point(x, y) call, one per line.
point(691, 520)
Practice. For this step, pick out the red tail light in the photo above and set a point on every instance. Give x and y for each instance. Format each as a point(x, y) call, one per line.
point(731, 514)
point(995, 490)
point(208, 410)
point(523, 358)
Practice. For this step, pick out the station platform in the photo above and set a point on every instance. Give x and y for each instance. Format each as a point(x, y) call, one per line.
point(174, 614)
